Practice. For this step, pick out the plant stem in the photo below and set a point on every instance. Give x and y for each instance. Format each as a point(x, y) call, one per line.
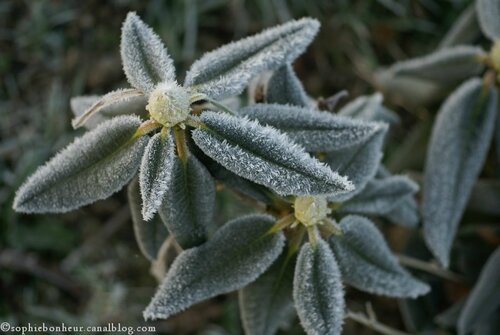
point(145, 128)
point(372, 323)
point(282, 223)
point(428, 267)
point(311, 232)
point(180, 143)
point(220, 106)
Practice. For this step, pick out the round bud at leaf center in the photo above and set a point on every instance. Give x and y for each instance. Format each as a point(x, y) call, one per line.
point(311, 210)
point(169, 104)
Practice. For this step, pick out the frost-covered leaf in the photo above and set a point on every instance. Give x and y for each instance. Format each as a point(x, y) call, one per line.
point(132, 105)
point(238, 253)
point(144, 57)
point(484, 299)
point(149, 235)
point(488, 12)
point(369, 108)
point(155, 172)
point(265, 156)
point(458, 147)
point(314, 130)
point(227, 71)
point(120, 97)
point(405, 213)
point(189, 202)
point(267, 303)
point(359, 163)
point(285, 88)
point(367, 263)
point(464, 30)
point(317, 290)
point(91, 168)
point(443, 66)
point(380, 196)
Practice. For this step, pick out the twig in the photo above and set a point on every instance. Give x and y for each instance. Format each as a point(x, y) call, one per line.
point(110, 227)
point(372, 323)
point(428, 267)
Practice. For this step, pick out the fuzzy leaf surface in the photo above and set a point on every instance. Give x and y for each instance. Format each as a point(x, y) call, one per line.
point(406, 213)
point(265, 156)
point(227, 71)
point(314, 130)
point(155, 172)
point(443, 66)
point(484, 299)
point(91, 168)
point(488, 12)
point(318, 291)
point(458, 147)
point(369, 108)
point(367, 263)
point(146, 62)
point(380, 196)
point(359, 163)
point(238, 253)
point(189, 202)
point(267, 302)
point(81, 104)
point(151, 235)
point(285, 88)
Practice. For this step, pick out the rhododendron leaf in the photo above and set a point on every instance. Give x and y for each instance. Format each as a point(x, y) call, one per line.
point(369, 108)
point(189, 202)
point(265, 156)
point(238, 253)
point(227, 71)
point(314, 130)
point(267, 303)
point(155, 172)
point(145, 59)
point(317, 290)
point(367, 263)
point(285, 88)
point(488, 12)
point(91, 168)
point(459, 144)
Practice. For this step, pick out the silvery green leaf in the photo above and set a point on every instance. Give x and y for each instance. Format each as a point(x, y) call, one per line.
point(189, 202)
point(267, 302)
point(146, 62)
point(369, 108)
point(484, 299)
point(285, 88)
point(330, 103)
point(121, 97)
point(265, 156)
point(464, 30)
point(166, 256)
point(444, 66)
point(317, 290)
point(91, 168)
point(380, 196)
point(359, 162)
point(238, 253)
point(155, 172)
point(227, 71)
point(488, 12)
point(405, 213)
point(458, 147)
point(149, 235)
point(132, 105)
point(314, 130)
point(367, 263)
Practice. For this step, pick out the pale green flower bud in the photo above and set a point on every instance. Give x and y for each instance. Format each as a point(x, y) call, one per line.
point(169, 104)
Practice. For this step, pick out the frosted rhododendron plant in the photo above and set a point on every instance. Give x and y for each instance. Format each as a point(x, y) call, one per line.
point(314, 173)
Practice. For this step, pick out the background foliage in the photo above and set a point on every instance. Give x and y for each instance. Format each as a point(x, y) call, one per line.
point(84, 267)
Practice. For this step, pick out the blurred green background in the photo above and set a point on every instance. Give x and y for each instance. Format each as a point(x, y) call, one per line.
point(84, 267)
